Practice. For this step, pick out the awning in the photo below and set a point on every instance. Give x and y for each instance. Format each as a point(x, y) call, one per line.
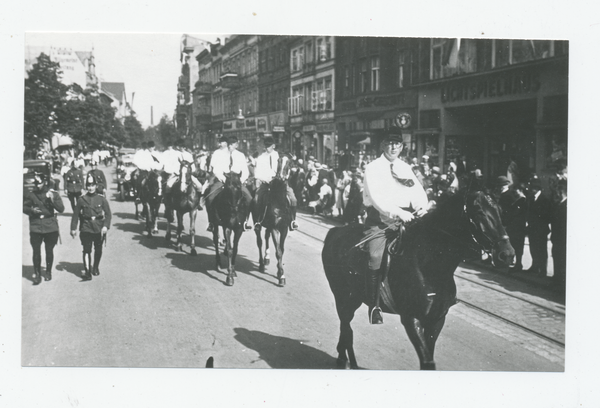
point(366, 141)
point(60, 140)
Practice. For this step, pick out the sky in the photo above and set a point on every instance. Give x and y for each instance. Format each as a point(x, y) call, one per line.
point(148, 64)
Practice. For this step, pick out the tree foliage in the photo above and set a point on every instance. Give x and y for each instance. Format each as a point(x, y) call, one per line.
point(166, 131)
point(44, 94)
point(134, 131)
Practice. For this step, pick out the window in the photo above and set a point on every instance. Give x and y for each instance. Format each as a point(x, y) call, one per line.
point(309, 52)
point(363, 78)
point(322, 96)
point(295, 101)
point(297, 59)
point(375, 74)
point(402, 64)
point(346, 77)
point(437, 47)
point(324, 48)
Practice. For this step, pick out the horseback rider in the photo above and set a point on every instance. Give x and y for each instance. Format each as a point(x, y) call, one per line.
point(392, 194)
point(41, 204)
point(171, 160)
point(95, 215)
point(265, 171)
point(225, 161)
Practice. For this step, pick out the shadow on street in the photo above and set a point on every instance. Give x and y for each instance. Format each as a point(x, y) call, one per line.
point(283, 352)
point(71, 267)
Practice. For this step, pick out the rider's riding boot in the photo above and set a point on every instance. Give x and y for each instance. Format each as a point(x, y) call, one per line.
point(373, 283)
point(247, 225)
point(37, 275)
point(87, 266)
point(48, 275)
point(95, 270)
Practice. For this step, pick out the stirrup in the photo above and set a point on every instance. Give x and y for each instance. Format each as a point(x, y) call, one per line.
point(375, 316)
point(257, 226)
point(247, 226)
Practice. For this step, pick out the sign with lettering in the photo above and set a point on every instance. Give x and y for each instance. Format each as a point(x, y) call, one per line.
point(403, 120)
point(513, 83)
point(278, 129)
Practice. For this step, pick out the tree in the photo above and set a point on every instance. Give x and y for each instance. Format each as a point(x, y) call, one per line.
point(88, 120)
point(166, 131)
point(44, 94)
point(133, 130)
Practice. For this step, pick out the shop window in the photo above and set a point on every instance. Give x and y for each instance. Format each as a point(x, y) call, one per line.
point(430, 147)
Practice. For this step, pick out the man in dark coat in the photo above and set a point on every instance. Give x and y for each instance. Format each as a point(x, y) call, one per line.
point(99, 176)
point(40, 205)
point(559, 235)
point(538, 226)
point(73, 184)
point(94, 213)
point(513, 204)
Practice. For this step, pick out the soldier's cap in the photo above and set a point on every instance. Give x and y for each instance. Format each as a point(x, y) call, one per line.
point(269, 141)
point(393, 134)
point(502, 181)
point(90, 180)
point(223, 139)
point(231, 140)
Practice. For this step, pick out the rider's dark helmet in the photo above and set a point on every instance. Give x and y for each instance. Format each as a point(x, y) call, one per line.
point(90, 180)
point(269, 141)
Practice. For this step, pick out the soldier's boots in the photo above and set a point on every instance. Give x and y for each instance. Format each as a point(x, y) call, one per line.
point(87, 266)
point(48, 275)
point(37, 275)
point(95, 270)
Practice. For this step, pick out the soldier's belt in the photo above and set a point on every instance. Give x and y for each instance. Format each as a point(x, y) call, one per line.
point(95, 217)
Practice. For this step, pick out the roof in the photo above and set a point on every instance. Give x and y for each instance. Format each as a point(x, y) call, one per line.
point(83, 56)
point(117, 89)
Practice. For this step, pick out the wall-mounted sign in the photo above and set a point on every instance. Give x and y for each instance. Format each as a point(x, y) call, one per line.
point(278, 128)
point(227, 125)
point(261, 124)
point(297, 134)
point(402, 120)
point(309, 128)
point(250, 122)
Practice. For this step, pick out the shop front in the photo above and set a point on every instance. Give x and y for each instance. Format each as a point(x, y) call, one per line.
point(489, 121)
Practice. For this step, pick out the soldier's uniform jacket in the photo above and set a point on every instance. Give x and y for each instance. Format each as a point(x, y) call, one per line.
point(99, 176)
point(74, 180)
point(46, 220)
point(514, 208)
point(94, 213)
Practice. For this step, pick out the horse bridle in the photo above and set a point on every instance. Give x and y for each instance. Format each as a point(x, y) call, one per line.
point(475, 231)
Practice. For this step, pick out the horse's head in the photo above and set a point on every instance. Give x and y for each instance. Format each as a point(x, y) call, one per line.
point(154, 183)
point(185, 174)
point(284, 165)
point(486, 227)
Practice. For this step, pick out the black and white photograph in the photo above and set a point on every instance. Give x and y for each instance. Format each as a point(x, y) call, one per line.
point(200, 206)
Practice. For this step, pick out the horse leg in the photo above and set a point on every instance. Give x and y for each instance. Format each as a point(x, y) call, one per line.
point(155, 217)
point(147, 210)
point(259, 242)
point(137, 214)
point(236, 239)
point(432, 331)
point(230, 276)
point(267, 257)
point(416, 333)
point(346, 305)
point(179, 230)
point(278, 239)
point(193, 232)
point(169, 217)
point(216, 244)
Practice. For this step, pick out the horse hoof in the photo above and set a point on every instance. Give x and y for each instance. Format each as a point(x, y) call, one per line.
point(267, 261)
point(193, 252)
point(229, 281)
point(234, 274)
point(341, 363)
point(282, 282)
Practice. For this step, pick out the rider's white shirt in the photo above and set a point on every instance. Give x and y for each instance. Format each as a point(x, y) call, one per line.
point(386, 194)
point(224, 161)
point(266, 166)
point(144, 160)
point(170, 159)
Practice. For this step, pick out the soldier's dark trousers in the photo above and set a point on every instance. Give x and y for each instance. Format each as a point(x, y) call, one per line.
point(87, 240)
point(49, 239)
point(73, 197)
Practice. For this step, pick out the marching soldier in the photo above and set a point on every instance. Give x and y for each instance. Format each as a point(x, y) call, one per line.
point(73, 184)
point(99, 176)
point(94, 212)
point(41, 205)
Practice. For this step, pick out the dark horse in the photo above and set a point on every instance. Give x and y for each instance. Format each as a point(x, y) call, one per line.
point(183, 198)
point(354, 210)
point(419, 282)
point(276, 218)
point(149, 188)
point(231, 212)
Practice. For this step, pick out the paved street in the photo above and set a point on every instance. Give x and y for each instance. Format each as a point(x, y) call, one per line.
point(152, 306)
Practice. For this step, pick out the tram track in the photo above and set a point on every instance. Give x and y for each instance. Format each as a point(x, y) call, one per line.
point(527, 303)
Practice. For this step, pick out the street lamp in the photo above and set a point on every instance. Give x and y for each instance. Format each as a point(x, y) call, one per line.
point(240, 115)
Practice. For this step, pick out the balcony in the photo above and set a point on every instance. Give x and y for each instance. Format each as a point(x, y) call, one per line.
point(230, 80)
point(203, 88)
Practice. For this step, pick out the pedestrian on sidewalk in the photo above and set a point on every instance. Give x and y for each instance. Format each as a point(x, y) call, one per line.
point(94, 213)
point(559, 235)
point(513, 204)
point(40, 205)
point(538, 226)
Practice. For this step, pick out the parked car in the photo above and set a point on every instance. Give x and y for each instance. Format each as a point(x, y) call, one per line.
point(124, 180)
point(30, 167)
